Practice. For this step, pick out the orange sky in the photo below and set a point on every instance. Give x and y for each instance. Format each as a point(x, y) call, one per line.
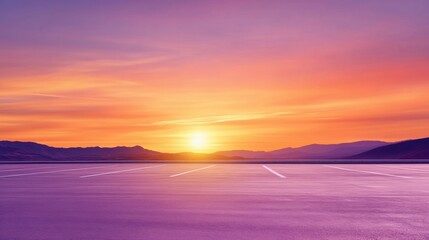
point(249, 75)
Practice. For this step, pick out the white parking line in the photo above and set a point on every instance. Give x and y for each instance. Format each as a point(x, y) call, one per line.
point(20, 169)
point(198, 169)
point(273, 172)
point(362, 171)
point(412, 169)
point(120, 171)
point(56, 171)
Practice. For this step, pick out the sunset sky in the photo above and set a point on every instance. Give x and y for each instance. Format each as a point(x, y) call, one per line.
point(256, 75)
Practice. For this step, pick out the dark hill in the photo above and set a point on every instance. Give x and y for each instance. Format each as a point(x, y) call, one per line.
point(410, 149)
point(34, 151)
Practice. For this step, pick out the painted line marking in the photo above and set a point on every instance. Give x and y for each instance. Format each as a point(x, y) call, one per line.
point(194, 170)
point(119, 171)
point(56, 171)
point(273, 172)
point(362, 171)
point(20, 169)
point(412, 169)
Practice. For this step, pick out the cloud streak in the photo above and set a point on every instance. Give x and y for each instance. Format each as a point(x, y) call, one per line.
point(221, 119)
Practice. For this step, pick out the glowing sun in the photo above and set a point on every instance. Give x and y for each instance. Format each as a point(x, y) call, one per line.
point(198, 140)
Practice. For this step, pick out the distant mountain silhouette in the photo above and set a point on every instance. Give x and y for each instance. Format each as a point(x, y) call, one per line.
point(30, 151)
point(313, 151)
point(410, 149)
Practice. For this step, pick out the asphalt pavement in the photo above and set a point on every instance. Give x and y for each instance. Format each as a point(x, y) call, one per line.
point(213, 201)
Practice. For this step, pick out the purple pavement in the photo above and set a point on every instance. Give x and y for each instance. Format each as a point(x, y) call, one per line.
point(223, 201)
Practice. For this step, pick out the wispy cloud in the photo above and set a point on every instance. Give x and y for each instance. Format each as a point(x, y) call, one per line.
point(63, 96)
point(95, 65)
point(222, 118)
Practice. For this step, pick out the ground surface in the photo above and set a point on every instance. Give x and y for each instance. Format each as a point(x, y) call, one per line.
point(203, 201)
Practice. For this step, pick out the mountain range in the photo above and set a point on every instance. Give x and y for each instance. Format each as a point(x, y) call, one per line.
point(313, 151)
point(29, 151)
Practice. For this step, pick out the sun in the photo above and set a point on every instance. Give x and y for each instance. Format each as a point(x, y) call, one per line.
point(198, 140)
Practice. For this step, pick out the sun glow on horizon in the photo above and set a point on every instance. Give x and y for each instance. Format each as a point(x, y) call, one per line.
point(198, 141)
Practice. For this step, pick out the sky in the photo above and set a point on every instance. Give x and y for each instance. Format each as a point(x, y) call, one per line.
point(206, 76)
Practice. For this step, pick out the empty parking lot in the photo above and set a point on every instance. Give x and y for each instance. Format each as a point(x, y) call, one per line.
point(214, 201)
